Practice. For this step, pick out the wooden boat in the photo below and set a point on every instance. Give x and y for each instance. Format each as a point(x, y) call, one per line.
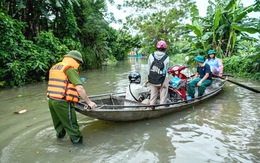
point(135, 56)
point(111, 106)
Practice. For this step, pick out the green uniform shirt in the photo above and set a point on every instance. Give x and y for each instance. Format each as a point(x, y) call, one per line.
point(73, 76)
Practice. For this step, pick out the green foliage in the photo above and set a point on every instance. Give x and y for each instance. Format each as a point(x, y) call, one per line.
point(230, 25)
point(99, 41)
point(23, 61)
point(111, 60)
point(11, 36)
point(177, 59)
point(66, 24)
point(89, 59)
point(36, 34)
point(163, 21)
point(50, 30)
point(50, 45)
point(18, 73)
point(245, 65)
point(71, 43)
point(124, 43)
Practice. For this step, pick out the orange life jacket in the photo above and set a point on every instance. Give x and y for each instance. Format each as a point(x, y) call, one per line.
point(59, 86)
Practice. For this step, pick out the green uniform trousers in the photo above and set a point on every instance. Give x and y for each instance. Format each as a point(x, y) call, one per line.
point(201, 89)
point(65, 120)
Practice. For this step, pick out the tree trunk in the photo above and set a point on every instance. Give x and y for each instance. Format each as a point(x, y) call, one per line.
point(228, 54)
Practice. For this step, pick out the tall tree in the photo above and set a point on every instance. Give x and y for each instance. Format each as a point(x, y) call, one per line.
point(36, 13)
point(158, 20)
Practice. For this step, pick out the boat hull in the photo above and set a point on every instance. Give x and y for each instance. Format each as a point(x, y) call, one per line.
point(111, 106)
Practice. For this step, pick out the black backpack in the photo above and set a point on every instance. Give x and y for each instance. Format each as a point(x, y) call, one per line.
point(156, 75)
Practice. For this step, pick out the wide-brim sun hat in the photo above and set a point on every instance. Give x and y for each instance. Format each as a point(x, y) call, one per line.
point(211, 52)
point(75, 54)
point(199, 59)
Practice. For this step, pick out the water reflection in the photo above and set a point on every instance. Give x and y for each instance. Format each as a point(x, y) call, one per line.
point(223, 129)
point(114, 78)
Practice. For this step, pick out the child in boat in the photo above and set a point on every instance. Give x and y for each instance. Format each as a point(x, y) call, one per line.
point(215, 63)
point(135, 90)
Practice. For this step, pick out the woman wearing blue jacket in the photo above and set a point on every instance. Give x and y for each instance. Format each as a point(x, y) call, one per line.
point(215, 63)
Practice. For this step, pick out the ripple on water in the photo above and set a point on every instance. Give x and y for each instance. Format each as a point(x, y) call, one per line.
point(40, 144)
point(188, 138)
point(223, 134)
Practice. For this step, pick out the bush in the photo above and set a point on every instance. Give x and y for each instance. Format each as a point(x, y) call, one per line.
point(245, 66)
point(21, 60)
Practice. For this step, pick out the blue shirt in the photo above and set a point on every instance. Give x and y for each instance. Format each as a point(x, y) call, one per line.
point(216, 64)
point(203, 70)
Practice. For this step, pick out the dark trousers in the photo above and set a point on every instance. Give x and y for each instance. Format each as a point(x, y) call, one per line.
point(201, 89)
point(65, 120)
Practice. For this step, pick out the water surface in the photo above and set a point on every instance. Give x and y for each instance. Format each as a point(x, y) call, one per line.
point(223, 129)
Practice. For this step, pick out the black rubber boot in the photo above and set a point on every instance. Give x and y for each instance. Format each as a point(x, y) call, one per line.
point(61, 134)
point(77, 140)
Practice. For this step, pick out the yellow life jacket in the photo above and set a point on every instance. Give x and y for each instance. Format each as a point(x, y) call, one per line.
point(59, 86)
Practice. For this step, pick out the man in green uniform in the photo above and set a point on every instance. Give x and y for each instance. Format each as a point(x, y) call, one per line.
point(64, 89)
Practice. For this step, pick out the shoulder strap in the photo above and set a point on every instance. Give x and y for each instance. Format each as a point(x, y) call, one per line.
point(153, 61)
point(154, 57)
point(132, 93)
point(164, 57)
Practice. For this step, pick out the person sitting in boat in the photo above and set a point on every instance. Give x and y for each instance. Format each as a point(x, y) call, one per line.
point(135, 91)
point(215, 63)
point(202, 78)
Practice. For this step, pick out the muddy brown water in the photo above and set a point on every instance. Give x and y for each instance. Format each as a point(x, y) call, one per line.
point(224, 129)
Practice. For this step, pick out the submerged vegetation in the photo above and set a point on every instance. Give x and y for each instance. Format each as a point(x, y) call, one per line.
point(36, 34)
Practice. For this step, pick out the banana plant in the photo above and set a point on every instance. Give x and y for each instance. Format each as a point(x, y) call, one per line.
point(229, 21)
point(198, 31)
point(239, 23)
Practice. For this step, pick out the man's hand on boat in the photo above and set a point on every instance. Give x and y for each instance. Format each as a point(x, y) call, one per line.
point(83, 94)
point(92, 105)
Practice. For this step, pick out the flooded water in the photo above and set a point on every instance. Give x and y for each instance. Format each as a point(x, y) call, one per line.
point(224, 129)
